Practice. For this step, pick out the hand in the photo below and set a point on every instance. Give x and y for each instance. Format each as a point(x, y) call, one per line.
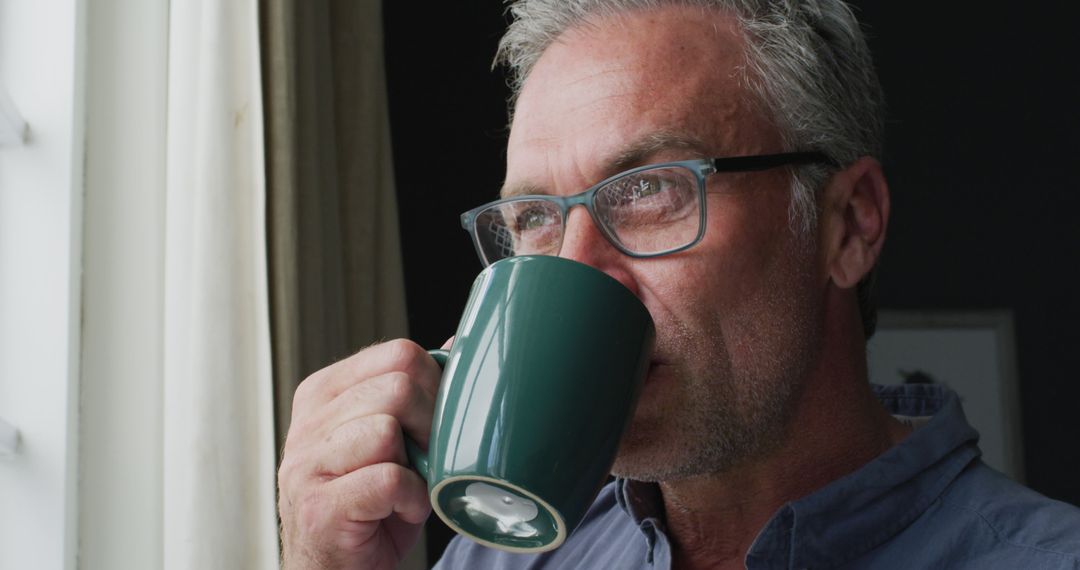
point(347, 496)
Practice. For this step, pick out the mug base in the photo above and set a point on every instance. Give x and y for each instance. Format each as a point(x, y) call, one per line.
point(498, 514)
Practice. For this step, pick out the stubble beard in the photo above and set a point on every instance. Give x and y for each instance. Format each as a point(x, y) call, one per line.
point(732, 389)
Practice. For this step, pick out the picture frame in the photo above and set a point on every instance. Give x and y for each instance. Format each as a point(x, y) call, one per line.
point(973, 353)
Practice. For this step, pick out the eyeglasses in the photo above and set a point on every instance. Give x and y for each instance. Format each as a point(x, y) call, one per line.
point(647, 211)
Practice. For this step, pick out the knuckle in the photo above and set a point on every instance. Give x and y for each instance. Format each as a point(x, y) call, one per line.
point(286, 470)
point(398, 389)
point(388, 479)
point(384, 427)
point(385, 436)
point(300, 431)
point(403, 354)
point(307, 387)
point(294, 472)
point(293, 463)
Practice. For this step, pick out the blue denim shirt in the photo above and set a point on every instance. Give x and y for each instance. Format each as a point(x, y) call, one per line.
point(929, 502)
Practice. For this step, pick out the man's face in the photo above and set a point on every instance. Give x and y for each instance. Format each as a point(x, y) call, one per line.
point(737, 315)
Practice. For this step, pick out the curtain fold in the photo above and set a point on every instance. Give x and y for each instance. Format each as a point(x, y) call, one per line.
point(219, 447)
point(336, 278)
point(335, 264)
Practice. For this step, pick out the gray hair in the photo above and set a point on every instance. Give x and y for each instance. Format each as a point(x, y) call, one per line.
point(808, 66)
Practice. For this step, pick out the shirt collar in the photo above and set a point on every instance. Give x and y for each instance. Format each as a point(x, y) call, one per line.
point(863, 509)
point(639, 499)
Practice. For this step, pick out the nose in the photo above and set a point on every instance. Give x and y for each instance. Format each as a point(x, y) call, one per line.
point(583, 242)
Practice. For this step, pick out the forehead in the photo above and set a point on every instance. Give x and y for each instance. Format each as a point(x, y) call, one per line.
point(615, 81)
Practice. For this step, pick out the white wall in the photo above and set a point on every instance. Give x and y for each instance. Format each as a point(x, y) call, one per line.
point(80, 311)
point(120, 488)
point(40, 244)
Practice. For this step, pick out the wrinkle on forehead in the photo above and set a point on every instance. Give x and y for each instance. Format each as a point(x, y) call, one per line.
point(651, 27)
point(668, 143)
point(599, 74)
point(640, 45)
point(601, 95)
point(637, 152)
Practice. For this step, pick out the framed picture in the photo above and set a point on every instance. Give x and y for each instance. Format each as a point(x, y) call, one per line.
point(972, 353)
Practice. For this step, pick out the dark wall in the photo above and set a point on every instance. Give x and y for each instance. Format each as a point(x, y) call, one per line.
point(981, 157)
point(448, 122)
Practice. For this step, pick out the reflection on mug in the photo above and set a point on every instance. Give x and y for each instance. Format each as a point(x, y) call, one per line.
point(510, 512)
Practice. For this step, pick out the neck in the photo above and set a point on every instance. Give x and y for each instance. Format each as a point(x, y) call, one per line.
point(837, 427)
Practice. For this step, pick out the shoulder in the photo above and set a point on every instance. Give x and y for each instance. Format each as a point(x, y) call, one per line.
point(606, 535)
point(986, 520)
point(1016, 516)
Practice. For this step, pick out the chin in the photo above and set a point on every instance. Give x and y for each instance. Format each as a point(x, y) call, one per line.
point(653, 470)
point(647, 454)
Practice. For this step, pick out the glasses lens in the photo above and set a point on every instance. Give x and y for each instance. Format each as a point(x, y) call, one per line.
point(519, 227)
point(651, 211)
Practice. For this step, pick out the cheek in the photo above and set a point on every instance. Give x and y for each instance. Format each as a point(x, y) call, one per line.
point(677, 283)
point(741, 244)
point(688, 288)
point(747, 243)
point(749, 230)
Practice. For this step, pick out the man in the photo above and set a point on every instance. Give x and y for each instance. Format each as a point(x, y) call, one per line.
point(757, 442)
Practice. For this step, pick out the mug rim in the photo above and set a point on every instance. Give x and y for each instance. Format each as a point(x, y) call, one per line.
point(557, 260)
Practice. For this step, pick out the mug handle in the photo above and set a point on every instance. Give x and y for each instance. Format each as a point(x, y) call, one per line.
point(417, 457)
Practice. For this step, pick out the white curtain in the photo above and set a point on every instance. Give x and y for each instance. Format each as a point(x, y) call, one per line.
point(219, 459)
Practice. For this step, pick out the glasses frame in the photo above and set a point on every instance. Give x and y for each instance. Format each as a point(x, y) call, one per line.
point(702, 168)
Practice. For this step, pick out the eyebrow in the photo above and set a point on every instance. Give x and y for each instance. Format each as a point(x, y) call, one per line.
point(636, 153)
point(639, 152)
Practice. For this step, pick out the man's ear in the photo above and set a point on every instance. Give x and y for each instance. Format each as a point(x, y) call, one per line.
point(855, 214)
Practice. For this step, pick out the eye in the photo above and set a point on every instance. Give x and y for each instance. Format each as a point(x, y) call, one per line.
point(650, 185)
point(654, 187)
point(645, 186)
point(533, 218)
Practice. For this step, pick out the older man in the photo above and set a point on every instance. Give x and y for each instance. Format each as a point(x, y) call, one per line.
point(758, 441)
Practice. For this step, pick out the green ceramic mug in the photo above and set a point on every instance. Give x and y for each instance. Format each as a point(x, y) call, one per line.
point(541, 380)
